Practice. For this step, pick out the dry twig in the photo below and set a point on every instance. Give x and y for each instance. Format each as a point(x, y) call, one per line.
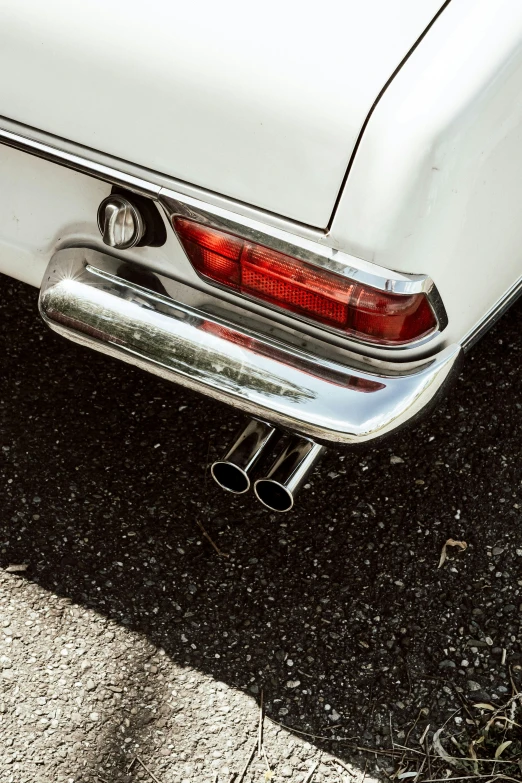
point(313, 736)
point(428, 754)
point(437, 756)
point(473, 777)
point(424, 735)
point(419, 773)
point(212, 543)
point(247, 764)
point(147, 770)
point(514, 687)
point(311, 773)
point(260, 726)
point(408, 735)
point(341, 764)
point(267, 762)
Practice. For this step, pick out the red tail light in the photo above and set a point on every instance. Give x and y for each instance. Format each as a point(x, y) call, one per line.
point(315, 293)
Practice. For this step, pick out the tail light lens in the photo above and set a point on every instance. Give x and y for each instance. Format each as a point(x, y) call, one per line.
point(315, 293)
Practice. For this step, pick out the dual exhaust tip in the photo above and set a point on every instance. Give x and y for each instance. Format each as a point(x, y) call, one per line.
point(276, 490)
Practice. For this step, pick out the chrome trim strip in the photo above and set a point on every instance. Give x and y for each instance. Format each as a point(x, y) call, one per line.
point(358, 270)
point(84, 299)
point(78, 163)
point(142, 174)
point(492, 316)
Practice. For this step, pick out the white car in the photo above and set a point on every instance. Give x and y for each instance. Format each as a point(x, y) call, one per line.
point(307, 211)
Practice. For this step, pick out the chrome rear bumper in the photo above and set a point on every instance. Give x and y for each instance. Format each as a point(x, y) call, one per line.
point(83, 299)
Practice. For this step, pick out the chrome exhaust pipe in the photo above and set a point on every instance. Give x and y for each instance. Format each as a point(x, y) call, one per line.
point(287, 475)
point(233, 471)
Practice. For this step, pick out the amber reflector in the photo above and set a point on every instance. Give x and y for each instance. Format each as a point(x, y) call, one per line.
point(309, 291)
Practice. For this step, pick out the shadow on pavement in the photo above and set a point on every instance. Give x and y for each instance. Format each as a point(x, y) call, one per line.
point(337, 610)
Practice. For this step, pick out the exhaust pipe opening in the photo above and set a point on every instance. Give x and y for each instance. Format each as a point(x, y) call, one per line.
point(233, 471)
point(230, 477)
point(274, 495)
point(288, 474)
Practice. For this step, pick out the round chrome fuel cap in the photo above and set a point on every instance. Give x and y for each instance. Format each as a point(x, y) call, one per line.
point(120, 222)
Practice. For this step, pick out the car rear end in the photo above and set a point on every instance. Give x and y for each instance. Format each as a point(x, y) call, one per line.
point(173, 185)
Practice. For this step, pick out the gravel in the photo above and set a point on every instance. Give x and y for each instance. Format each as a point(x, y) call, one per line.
point(129, 648)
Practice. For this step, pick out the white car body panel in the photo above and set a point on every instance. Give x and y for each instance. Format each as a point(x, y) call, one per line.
point(263, 105)
point(436, 183)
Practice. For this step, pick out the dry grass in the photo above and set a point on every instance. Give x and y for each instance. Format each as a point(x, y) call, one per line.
point(487, 747)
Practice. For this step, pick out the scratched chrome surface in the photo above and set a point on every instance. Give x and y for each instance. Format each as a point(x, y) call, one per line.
point(85, 298)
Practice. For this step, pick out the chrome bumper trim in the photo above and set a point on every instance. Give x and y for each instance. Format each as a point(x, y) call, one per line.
point(83, 299)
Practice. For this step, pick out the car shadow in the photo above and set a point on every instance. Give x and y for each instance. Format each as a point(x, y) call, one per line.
point(107, 496)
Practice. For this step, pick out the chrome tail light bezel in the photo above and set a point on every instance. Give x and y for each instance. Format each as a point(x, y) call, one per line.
point(313, 253)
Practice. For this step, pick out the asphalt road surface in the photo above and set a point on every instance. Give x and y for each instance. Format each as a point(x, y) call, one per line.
point(130, 649)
